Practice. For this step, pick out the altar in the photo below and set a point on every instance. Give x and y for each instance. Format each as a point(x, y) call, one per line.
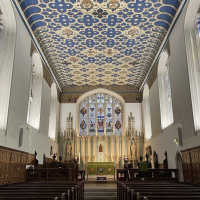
point(92, 167)
point(101, 169)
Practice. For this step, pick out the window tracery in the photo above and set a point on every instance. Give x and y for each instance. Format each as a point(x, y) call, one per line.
point(146, 112)
point(53, 112)
point(191, 29)
point(7, 51)
point(1, 33)
point(166, 110)
point(100, 114)
point(35, 92)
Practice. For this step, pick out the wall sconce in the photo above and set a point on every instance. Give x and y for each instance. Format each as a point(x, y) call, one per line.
point(175, 140)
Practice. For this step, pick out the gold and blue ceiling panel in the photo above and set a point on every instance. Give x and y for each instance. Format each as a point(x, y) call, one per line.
point(100, 42)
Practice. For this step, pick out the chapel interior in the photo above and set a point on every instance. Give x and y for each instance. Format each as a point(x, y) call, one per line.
point(103, 88)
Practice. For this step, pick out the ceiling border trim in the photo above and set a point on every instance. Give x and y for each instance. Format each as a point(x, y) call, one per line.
point(163, 44)
point(36, 43)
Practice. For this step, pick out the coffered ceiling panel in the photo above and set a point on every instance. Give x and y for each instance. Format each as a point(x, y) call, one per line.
point(99, 42)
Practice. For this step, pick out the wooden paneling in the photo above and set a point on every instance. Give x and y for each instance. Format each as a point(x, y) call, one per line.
point(30, 159)
point(24, 157)
point(191, 164)
point(187, 167)
point(195, 163)
point(12, 165)
point(5, 156)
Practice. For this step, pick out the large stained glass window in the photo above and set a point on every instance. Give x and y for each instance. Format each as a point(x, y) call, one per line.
point(100, 114)
point(118, 125)
point(83, 117)
point(92, 120)
point(109, 115)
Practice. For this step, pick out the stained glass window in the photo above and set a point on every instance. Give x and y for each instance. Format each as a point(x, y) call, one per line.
point(118, 111)
point(109, 116)
point(100, 114)
point(92, 104)
point(83, 118)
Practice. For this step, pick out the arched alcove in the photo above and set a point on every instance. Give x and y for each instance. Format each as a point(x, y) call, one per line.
point(7, 50)
point(164, 86)
point(179, 166)
point(35, 92)
point(53, 112)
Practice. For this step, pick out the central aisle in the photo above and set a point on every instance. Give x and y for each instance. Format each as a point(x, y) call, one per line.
point(105, 190)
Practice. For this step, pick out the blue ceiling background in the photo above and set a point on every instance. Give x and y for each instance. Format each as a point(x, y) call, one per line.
point(100, 42)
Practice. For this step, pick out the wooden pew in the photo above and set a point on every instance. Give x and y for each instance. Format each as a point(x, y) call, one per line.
point(76, 188)
point(154, 173)
point(48, 174)
point(127, 191)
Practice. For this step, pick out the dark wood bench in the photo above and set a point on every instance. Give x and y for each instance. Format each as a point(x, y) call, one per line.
point(47, 190)
point(48, 174)
point(153, 190)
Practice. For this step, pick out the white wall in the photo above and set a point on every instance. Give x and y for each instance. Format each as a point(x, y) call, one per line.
point(65, 108)
point(18, 105)
point(163, 140)
point(45, 109)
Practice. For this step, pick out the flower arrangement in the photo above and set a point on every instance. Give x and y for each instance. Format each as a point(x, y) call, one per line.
point(126, 158)
point(75, 158)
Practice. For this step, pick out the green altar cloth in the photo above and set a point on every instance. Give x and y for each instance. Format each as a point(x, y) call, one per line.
point(92, 167)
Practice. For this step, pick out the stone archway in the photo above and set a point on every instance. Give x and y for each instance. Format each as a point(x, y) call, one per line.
point(179, 166)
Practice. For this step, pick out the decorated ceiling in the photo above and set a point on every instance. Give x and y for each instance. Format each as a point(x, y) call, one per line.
point(99, 42)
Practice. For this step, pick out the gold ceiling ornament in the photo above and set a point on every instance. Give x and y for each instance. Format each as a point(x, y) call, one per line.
point(67, 32)
point(94, 83)
point(75, 67)
point(108, 72)
point(92, 72)
point(125, 66)
point(92, 66)
point(110, 52)
point(124, 72)
point(121, 82)
point(77, 72)
point(88, 6)
point(133, 32)
point(71, 60)
point(108, 66)
point(91, 52)
point(79, 82)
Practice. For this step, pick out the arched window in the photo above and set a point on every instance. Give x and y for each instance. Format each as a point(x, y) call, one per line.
point(1, 32)
point(7, 50)
point(166, 110)
point(146, 113)
point(35, 94)
point(100, 114)
point(53, 112)
point(191, 30)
